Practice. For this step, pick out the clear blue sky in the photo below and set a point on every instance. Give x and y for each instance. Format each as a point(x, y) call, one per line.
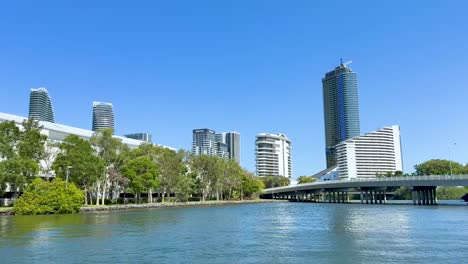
point(246, 66)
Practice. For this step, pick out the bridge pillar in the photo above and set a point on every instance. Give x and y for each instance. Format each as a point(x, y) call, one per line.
point(367, 197)
point(419, 197)
point(431, 192)
point(385, 196)
point(372, 194)
point(435, 195)
point(380, 197)
point(362, 196)
point(425, 197)
point(413, 193)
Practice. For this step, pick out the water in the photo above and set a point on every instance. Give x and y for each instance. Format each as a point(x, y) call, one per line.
point(255, 233)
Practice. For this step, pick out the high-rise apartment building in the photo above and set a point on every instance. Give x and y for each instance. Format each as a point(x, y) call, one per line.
point(273, 155)
point(40, 105)
point(103, 116)
point(341, 109)
point(374, 153)
point(232, 139)
point(140, 136)
point(204, 142)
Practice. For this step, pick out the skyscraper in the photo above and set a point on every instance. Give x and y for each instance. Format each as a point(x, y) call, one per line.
point(273, 155)
point(40, 105)
point(103, 116)
point(204, 142)
point(341, 109)
point(233, 144)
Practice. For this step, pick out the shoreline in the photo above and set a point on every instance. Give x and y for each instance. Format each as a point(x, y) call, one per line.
point(126, 207)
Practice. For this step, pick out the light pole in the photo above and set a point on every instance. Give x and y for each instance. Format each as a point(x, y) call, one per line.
point(68, 173)
point(450, 159)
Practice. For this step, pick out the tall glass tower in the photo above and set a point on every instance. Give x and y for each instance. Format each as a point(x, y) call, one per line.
point(233, 142)
point(40, 105)
point(103, 116)
point(341, 108)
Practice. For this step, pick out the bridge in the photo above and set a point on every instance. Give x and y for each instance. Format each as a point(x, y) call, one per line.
point(372, 191)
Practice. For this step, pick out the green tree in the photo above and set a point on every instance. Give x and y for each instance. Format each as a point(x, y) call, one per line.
point(86, 167)
point(21, 151)
point(451, 193)
point(251, 185)
point(42, 197)
point(275, 181)
point(306, 179)
point(142, 173)
point(402, 193)
point(439, 167)
point(108, 149)
point(207, 171)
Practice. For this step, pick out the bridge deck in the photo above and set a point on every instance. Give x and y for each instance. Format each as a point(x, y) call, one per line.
point(412, 181)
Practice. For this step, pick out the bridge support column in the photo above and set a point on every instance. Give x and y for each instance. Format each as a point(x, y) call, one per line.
point(367, 197)
point(385, 196)
point(372, 194)
point(413, 193)
point(435, 196)
point(362, 197)
point(419, 197)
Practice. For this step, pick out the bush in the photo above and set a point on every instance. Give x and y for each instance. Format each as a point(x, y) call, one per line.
point(42, 197)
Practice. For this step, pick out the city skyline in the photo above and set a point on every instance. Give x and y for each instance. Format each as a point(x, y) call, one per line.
point(255, 68)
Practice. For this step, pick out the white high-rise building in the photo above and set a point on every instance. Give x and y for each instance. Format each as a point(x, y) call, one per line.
point(273, 155)
point(371, 154)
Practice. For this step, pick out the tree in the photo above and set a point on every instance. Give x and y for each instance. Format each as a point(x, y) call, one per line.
point(108, 149)
point(402, 193)
point(451, 193)
point(275, 181)
point(251, 185)
point(21, 151)
point(439, 167)
point(86, 167)
point(206, 169)
point(142, 173)
point(42, 197)
point(306, 179)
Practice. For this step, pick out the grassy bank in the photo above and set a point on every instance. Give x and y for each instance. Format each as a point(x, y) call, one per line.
point(6, 209)
point(103, 208)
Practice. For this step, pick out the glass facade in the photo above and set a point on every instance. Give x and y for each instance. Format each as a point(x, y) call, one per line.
point(40, 105)
point(341, 109)
point(103, 116)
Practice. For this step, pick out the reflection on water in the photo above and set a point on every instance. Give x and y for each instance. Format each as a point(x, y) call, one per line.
point(273, 233)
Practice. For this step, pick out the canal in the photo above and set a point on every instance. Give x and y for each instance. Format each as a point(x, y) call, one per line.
point(252, 233)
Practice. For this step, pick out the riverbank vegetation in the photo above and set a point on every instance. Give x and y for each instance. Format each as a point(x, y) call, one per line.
point(106, 171)
point(55, 197)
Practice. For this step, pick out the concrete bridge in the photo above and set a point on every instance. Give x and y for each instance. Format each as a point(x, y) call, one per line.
point(371, 191)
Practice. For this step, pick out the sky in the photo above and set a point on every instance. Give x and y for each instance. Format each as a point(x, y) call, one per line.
point(248, 66)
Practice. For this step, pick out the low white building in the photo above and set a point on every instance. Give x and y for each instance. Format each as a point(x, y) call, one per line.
point(374, 153)
point(57, 133)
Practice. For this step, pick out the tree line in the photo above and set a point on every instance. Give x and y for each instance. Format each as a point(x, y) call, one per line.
point(105, 168)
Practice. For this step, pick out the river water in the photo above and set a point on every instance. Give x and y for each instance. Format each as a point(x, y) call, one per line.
point(251, 233)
